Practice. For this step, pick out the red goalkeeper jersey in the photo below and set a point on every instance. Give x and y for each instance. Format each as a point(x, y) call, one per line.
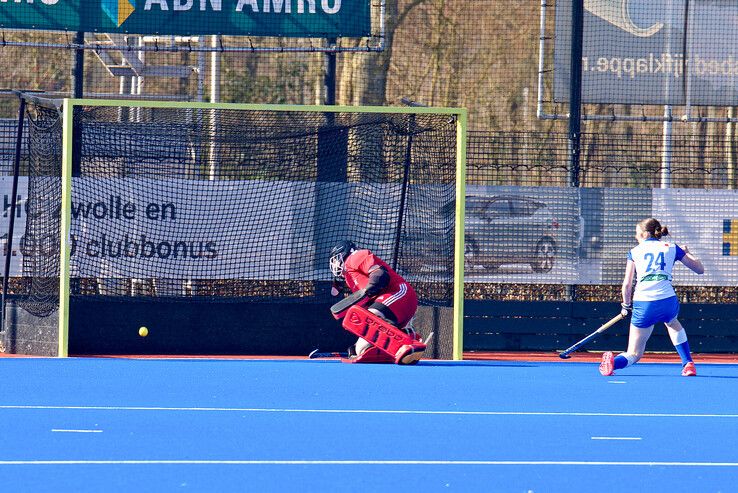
point(398, 295)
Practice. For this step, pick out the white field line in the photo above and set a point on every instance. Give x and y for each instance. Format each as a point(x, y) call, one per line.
point(366, 411)
point(616, 438)
point(60, 430)
point(368, 463)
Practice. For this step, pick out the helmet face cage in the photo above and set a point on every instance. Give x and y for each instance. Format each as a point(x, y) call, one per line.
point(336, 264)
point(338, 254)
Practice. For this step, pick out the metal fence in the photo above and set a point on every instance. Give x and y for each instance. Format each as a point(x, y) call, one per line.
point(494, 58)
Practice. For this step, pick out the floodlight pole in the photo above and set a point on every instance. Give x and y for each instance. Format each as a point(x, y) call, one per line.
point(575, 91)
point(575, 103)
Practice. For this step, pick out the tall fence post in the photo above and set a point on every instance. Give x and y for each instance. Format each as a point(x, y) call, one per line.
point(575, 102)
point(330, 73)
point(78, 91)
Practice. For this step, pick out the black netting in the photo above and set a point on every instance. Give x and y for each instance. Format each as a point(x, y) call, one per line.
point(531, 235)
point(230, 204)
point(39, 243)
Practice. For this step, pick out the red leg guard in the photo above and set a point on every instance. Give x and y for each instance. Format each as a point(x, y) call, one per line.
point(384, 336)
point(371, 355)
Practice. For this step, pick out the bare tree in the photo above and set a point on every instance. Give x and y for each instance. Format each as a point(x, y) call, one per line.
point(364, 76)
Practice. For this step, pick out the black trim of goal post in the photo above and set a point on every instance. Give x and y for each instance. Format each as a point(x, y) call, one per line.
point(575, 102)
point(403, 191)
point(405, 179)
point(331, 167)
point(13, 204)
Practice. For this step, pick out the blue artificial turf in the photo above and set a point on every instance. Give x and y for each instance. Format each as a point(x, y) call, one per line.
point(100, 424)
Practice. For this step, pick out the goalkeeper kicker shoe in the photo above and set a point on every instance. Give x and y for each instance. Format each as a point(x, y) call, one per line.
point(689, 370)
point(607, 366)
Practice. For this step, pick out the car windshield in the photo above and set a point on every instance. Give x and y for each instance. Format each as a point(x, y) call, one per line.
point(525, 207)
point(497, 208)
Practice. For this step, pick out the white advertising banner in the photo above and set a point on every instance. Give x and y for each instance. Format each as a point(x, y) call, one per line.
point(651, 52)
point(194, 229)
point(20, 243)
point(170, 229)
point(199, 229)
point(186, 228)
point(706, 221)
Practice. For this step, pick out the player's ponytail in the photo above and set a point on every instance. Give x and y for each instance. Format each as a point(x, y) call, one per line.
point(654, 228)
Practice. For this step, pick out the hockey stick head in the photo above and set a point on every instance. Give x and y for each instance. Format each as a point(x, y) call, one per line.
point(333, 354)
point(565, 354)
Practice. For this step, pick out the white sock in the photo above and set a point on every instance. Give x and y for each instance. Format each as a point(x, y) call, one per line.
point(361, 346)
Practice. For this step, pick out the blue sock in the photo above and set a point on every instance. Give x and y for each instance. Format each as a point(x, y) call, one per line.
point(683, 350)
point(620, 362)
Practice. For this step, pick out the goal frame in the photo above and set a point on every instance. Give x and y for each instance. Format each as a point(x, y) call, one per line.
point(69, 104)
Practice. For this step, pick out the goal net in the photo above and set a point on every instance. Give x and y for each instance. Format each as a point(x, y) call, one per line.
point(218, 203)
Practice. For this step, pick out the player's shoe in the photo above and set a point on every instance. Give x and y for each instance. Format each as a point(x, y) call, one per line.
point(607, 366)
point(689, 370)
point(411, 358)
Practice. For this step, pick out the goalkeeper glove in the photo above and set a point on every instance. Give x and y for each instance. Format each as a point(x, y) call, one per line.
point(378, 280)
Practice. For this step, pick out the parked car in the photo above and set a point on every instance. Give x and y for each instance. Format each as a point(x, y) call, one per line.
point(500, 230)
point(509, 229)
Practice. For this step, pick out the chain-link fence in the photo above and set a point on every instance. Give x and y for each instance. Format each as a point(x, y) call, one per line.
point(503, 61)
point(482, 56)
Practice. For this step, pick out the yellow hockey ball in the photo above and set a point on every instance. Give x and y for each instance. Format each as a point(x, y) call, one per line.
point(143, 331)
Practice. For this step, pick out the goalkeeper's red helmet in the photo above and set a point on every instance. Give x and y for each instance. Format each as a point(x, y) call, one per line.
point(338, 254)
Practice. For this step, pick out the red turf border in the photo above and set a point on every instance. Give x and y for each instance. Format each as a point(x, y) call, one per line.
point(590, 357)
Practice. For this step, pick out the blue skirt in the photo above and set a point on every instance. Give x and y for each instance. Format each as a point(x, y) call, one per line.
point(648, 313)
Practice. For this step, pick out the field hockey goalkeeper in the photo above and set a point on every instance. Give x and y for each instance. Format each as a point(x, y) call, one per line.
point(379, 310)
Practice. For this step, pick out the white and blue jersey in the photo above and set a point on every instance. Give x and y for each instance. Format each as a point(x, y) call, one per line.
point(654, 298)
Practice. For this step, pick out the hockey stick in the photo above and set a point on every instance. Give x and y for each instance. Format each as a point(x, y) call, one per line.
point(317, 354)
point(428, 339)
point(565, 353)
